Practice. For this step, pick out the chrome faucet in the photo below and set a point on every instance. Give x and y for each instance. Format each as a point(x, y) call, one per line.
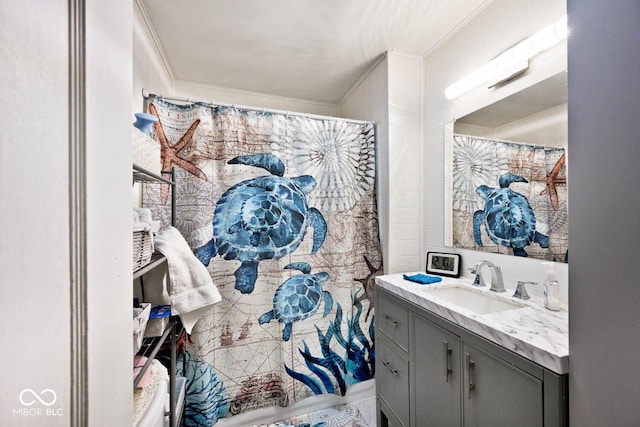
point(478, 281)
point(497, 284)
point(521, 291)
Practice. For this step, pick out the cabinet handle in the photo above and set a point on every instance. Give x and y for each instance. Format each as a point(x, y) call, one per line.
point(391, 321)
point(389, 367)
point(469, 365)
point(447, 361)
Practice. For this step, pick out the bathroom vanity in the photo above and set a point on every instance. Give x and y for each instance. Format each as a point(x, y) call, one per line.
point(450, 354)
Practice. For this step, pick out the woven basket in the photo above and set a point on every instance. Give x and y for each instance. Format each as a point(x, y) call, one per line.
point(142, 248)
point(146, 152)
point(140, 319)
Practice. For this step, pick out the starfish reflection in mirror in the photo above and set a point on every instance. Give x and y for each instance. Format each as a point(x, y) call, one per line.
point(170, 154)
point(552, 180)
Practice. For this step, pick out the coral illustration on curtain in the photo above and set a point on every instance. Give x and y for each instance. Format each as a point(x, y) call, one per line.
point(509, 198)
point(284, 217)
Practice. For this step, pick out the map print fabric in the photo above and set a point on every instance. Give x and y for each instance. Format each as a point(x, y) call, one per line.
point(509, 198)
point(281, 209)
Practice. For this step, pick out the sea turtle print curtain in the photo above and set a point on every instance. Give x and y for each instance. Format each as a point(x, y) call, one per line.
point(509, 198)
point(281, 209)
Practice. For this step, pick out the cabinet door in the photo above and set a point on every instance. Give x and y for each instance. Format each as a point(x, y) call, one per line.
point(496, 393)
point(436, 358)
point(392, 379)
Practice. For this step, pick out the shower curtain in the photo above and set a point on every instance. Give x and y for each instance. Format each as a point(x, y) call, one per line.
point(510, 193)
point(281, 209)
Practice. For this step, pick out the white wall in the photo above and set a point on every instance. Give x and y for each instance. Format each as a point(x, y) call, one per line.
point(150, 71)
point(391, 95)
point(548, 128)
point(368, 100)
point(34, 188)
point(500, 26)
point(36, 184)
point(604, 134)
point(405, 160)
point(211, 93)
point(108, 211)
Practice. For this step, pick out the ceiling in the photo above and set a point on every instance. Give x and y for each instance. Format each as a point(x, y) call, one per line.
point(307, 49)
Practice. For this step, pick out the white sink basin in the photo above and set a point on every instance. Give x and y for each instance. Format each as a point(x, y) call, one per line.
point(475, 301)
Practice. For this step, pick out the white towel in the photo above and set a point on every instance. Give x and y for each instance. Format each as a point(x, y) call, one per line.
point(144, 214)
point(191, 287)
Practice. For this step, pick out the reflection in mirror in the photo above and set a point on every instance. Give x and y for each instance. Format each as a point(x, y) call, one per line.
point(507, 186)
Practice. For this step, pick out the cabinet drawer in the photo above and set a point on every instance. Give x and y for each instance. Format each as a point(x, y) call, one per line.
point(392, 319)
point(392, 379)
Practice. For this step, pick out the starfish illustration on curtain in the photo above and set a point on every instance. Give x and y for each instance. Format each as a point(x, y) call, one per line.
point(170, 154)
point(368, 284)
point(552, 180)
point(256, 214)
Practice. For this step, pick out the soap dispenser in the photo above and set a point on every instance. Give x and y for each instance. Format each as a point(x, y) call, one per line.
point(551, 290)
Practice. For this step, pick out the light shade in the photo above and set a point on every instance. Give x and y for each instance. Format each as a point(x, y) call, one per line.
point(511, 61)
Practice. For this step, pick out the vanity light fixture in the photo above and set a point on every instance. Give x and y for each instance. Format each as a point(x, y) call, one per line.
point(512, 61)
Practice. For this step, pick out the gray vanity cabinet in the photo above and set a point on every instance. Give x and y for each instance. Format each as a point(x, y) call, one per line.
point(392, 363)
point(392, 380)
point(437, 374)
point(455, 377)
point(496, 393)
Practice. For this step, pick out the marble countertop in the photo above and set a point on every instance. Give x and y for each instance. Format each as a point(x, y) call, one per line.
point(532, 331)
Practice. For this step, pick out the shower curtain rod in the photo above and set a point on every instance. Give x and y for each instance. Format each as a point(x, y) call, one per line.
point(147, 94)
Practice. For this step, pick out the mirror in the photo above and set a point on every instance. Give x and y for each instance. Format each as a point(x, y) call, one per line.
point(506, 179)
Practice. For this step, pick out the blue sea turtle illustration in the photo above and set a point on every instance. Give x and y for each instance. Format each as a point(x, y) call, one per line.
point(262, 218)
point(298, 298)
point(507, 217)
